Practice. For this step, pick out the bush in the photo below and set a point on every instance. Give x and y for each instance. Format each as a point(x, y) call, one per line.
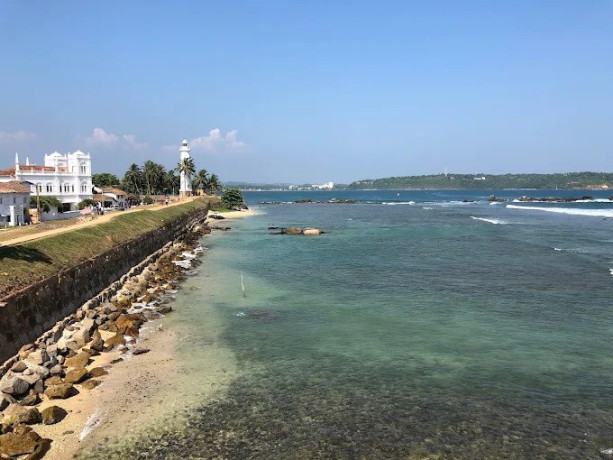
point(46, 203)
point(86, 202)
point(232, 198)
point(147, 199)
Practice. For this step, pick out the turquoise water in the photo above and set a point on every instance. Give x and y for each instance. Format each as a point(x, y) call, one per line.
point(424, 326)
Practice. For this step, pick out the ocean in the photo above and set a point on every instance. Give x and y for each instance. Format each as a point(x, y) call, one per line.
point(421, 324)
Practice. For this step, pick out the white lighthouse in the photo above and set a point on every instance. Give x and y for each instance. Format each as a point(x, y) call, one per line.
point(185, 188)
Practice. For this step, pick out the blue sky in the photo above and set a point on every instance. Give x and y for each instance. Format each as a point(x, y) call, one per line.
point(311, 91)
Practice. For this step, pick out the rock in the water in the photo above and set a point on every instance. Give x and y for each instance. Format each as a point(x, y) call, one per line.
point(61, 391)
point(165, 309)
point(15, 386)
point(311, 231)
point(53, 414)
point(98, 371)
point(292, 231)
point(16, 413)
point(78, 361)
point(76, 375)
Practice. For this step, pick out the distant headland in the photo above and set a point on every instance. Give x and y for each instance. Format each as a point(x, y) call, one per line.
point(449, 181)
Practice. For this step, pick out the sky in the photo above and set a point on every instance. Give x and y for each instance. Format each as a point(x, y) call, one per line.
point(311, 91)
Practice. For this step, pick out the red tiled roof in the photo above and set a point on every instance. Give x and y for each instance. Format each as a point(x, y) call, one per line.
point(113, 190)
point(13, 186)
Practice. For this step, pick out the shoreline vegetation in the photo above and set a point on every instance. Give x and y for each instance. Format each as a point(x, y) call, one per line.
point(86, 379)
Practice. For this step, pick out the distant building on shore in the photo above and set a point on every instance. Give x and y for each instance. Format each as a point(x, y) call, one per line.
point(66, 177)
point(185, 187)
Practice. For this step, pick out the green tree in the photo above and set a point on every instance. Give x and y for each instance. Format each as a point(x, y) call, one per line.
point(86, 202)
point(200, 180)
point(46, 203)
point(171, 182)
point(213, 184)
point(105, 179)
point(153, 174)
point(133, 179)
point(232, 198)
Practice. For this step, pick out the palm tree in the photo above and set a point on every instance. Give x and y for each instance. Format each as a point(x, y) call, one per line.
point(133, 178)
point(186, 166)
point(153, 174)
point(200, 180)
point(171, 182)
point(213, 183)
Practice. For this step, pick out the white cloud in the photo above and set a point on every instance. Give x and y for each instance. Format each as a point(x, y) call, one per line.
point(6, 136)
point(216, 142)
point(100, 137)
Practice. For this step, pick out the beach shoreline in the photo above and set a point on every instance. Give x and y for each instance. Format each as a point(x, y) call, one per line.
point(139, 391)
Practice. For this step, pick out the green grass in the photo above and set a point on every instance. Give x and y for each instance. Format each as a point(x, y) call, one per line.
point(21, 265)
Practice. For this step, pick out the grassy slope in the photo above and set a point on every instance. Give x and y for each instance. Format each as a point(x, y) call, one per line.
point(23, 264)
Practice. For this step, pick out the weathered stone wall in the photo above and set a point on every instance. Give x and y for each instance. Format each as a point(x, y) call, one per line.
point(27, 314)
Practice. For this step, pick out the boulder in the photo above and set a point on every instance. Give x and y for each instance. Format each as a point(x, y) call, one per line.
point(14, 386)
point(76, 375)
point(31, 399)
point(61, 391)
point(117, 339)
point(19, 366)
point(91, 384)
point(311, 231)
point(292, 231)
point(14, 444)
point(55, 380)
point(16, 413)
point(37, 357)
point(57, 370)
point(78, 361)
point(53, 414)
point(5, 400)
point(130, 324)
point(98, 372)
point(97, 342)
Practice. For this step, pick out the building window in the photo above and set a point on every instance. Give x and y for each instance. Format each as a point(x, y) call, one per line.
point(72, 187)
point(14, 200)
point(83, 187)
point(66, 188)
point(25, 200)
point(39, 187)
point(83, 169)
point(49, 188)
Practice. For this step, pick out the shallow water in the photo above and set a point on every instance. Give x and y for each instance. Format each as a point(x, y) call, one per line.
point(465, 330)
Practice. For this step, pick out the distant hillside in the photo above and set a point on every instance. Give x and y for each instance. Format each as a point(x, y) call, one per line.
point(580, 180)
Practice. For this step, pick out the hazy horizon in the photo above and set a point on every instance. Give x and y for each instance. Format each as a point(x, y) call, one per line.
point(311, 92)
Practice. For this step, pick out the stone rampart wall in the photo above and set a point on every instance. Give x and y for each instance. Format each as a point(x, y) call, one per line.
point(27, 314)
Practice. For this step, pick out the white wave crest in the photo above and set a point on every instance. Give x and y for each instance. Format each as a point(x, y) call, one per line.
point(92, 422)
point(490, 221)
point(569, 211)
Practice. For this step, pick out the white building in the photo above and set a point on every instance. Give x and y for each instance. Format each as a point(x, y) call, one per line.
point(111, 197)
point(14, 203)
point(185, 188)
point(67, 177)
point(326, 186)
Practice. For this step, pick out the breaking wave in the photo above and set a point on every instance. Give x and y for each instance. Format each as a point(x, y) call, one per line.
point(569, 211)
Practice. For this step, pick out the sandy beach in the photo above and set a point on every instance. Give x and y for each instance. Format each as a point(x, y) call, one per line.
point(140, 391)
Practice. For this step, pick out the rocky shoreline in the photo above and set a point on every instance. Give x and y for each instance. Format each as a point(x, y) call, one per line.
point(60, 364)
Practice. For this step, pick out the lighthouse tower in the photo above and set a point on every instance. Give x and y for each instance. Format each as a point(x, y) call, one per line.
point(185, 188)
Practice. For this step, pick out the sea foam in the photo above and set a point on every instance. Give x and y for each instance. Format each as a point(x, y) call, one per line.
point(569, 211)
point(490, 221)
